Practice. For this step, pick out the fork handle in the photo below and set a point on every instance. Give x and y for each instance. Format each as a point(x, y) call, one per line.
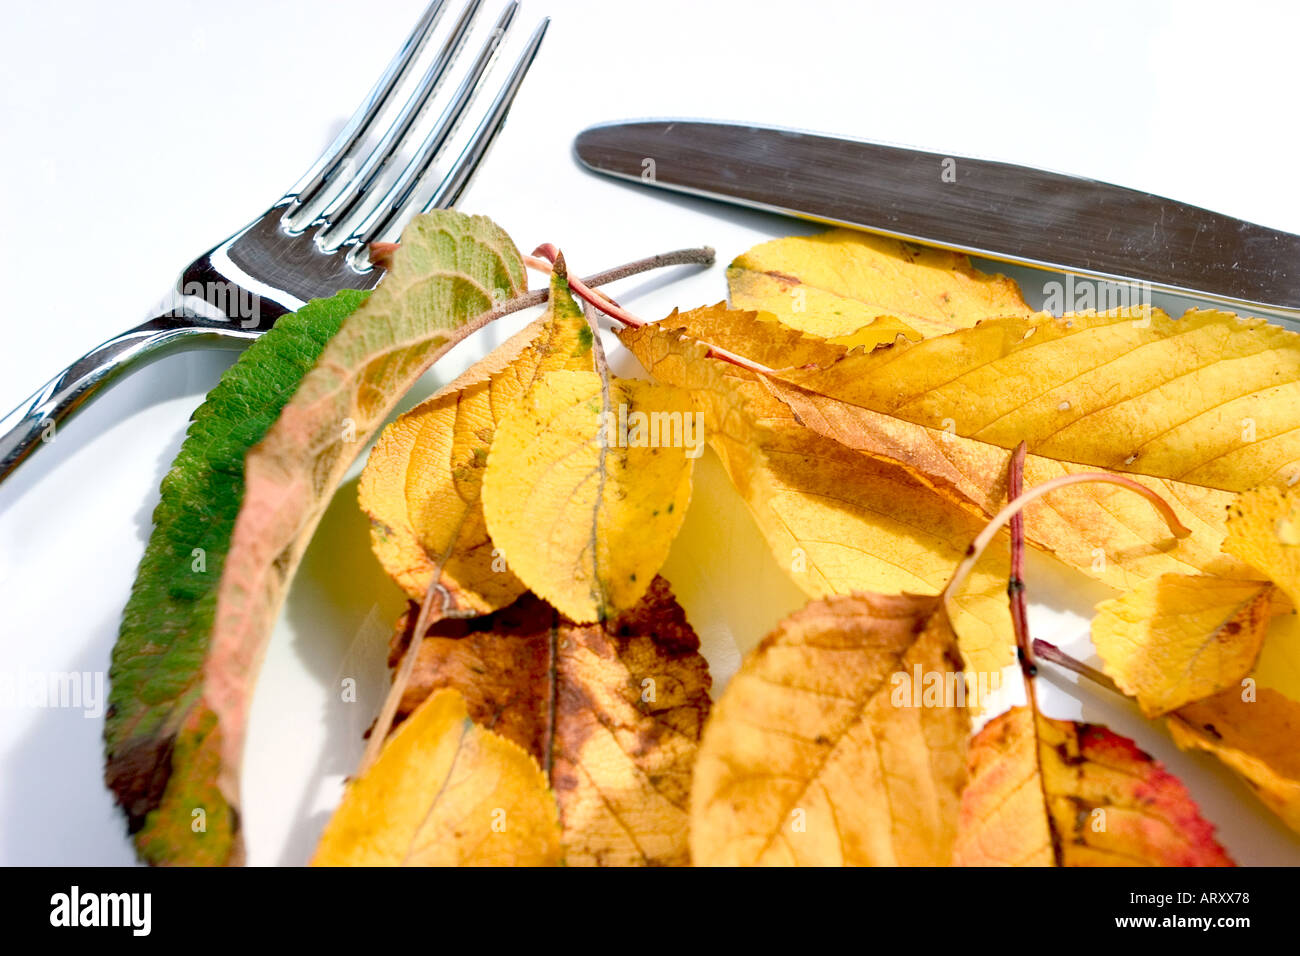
point(35, 422)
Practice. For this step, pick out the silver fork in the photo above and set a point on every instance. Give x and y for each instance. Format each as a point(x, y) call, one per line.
point(314, 240)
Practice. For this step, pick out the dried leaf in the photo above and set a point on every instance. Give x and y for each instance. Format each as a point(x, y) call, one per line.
point(1062, 793)
point(1209, 399)
point(1180, 638)
point(422, 483)
point(584, 492)
point(445, 792)
point(815, 755)
point(1100, 530)
point(844, 282)
point(1256, 738)
point(613, 713)
point(836, 520)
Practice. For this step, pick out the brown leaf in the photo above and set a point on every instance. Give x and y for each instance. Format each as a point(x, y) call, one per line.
point(612, 713)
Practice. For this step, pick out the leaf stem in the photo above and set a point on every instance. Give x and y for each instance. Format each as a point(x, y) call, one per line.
point(1014, 506)
point(1016, 583)
point(545, 254)
point(1050, 652)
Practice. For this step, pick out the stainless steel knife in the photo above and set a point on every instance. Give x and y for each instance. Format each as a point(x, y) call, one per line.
point(991, 209)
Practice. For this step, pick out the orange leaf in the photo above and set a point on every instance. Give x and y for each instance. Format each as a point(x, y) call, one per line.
point(1047, 792)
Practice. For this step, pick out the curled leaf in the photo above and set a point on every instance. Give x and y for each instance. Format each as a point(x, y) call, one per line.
point(152, 724)
point(611, 711)
point(822, 752)
point(445, 792)
point(449, 270)
point(1047, 792)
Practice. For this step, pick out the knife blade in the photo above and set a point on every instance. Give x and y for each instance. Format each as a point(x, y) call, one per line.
point(991, 209)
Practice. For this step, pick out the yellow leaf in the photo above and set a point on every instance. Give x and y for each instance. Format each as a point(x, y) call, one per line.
point(819, 754)
point(1101, 530)
point(841, 281)
point(1279, 659)
point(611, 711)
point(1257, 738)
point(1262, 527)
point(1210, 399)
point(584, 493)
point(1049, 792)
point(836, 520)
point(422, 484)
point(1179, 638)
point(445, 792)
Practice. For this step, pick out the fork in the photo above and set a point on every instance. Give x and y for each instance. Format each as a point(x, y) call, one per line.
point(314, 240)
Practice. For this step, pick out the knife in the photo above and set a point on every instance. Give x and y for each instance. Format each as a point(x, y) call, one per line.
point(990, 209)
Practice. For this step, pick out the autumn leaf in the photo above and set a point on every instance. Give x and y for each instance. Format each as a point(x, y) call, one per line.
point(1256, 737)
point(1250, 727)
point(1264, 531)
point(836, 520)
point(612, 712)
point(861, 289)
point(450, 269)
point(587, 485)
point(1209, 399)
point(445, 792)
point(1096, 529)
point(1180, 638)
point(151, 724)
point(811, 757)
point(1047, 792)
point(422, 483)
point(817, 744)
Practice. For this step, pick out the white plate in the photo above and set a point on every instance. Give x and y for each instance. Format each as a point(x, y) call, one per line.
point(106, 145)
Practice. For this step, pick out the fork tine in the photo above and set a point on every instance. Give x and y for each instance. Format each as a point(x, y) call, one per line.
point(459, 175)
point(387, 227)
point(349, 139)
point(400, 192)
point(344, 207)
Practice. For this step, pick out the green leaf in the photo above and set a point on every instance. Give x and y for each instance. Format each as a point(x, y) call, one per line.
point(168, 620)
point(449, 270)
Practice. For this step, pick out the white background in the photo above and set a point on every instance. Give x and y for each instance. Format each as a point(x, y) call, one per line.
point(137, 134)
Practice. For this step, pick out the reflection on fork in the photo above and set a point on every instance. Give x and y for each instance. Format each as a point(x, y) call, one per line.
point(313, 241)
